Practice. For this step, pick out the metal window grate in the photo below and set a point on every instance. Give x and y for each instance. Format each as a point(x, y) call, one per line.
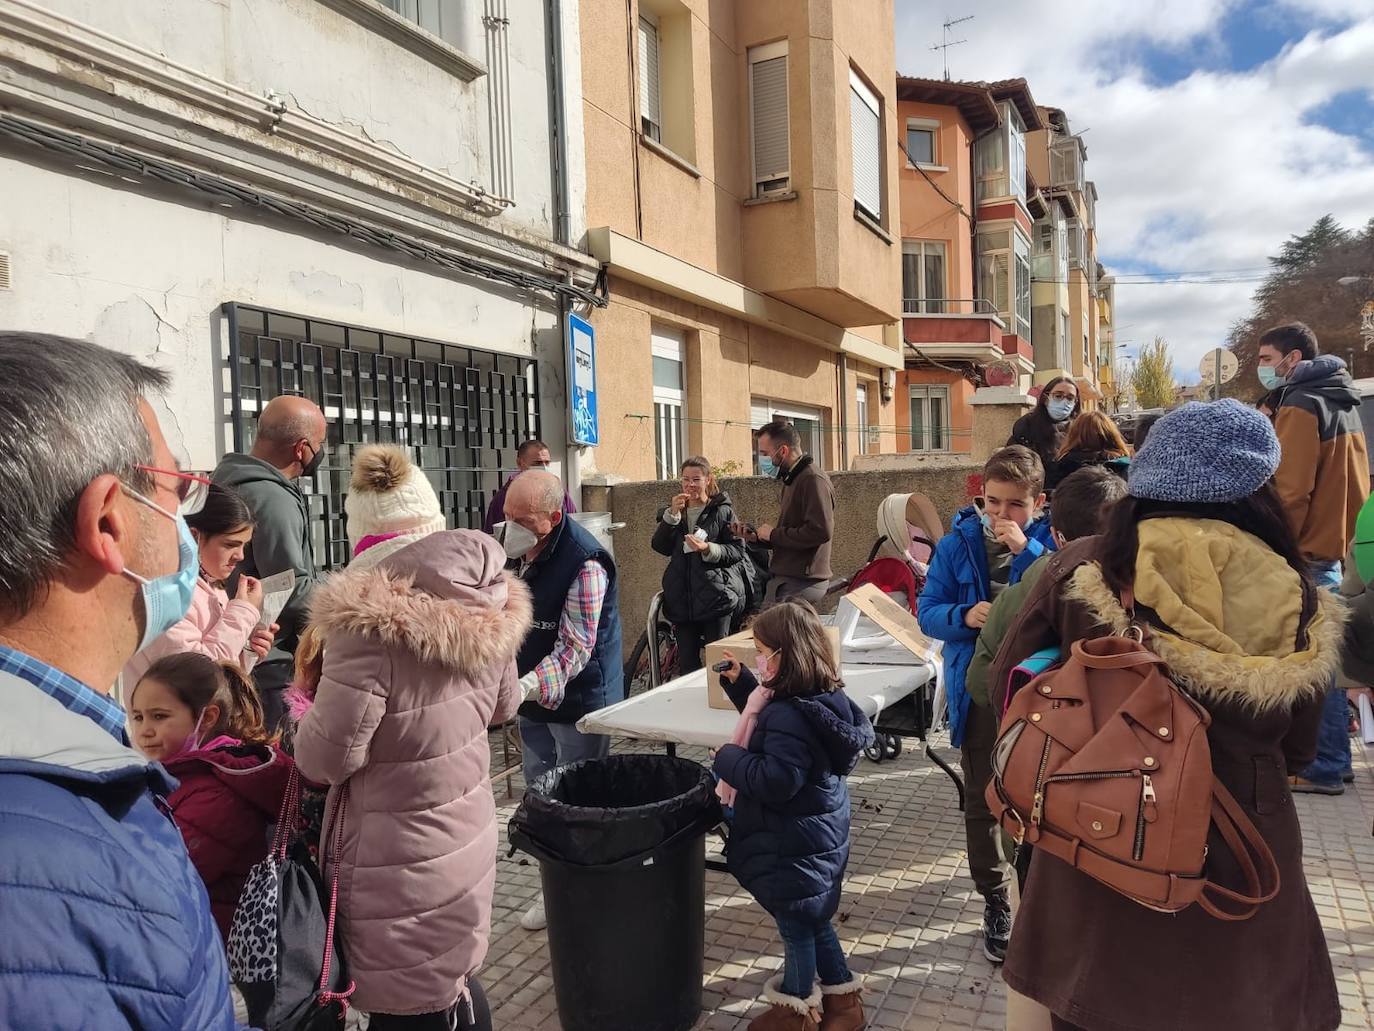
point(4, 271)
point(463, 412)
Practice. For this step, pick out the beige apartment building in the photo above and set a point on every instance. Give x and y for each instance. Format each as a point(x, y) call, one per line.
point(1067, 308)
point(742, 198)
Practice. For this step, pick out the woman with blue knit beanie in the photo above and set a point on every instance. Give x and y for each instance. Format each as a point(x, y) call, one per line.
point(1224, 594)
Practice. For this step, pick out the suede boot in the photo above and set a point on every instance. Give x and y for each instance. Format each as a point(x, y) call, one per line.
point(842, 1007)
point(788, 1012)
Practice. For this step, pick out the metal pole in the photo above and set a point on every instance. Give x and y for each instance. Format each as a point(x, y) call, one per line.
point(1216, 393)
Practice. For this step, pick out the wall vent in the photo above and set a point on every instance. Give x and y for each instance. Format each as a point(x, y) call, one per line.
point(4, 271)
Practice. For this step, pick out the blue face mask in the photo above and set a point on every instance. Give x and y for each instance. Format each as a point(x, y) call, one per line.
point(1059, 410)
point(766, 466)
point(167, 599)
point(1269, 377)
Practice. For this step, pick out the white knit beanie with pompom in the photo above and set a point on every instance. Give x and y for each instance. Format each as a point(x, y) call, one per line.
point(388, 494)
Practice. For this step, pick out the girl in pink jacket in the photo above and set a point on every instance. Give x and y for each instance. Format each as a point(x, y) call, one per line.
point(420, 635)
point(216, 626)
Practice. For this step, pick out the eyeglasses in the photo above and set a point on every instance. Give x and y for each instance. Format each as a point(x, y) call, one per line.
point(1063, 397)
point(191, 488)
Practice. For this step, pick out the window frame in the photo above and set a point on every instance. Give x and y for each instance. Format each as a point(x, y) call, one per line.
point(932, 126)
point(771, 183)
point(765, 410)
point(669, 343)
point(927, 305)
point(873, 102)
point(861, 415)
point(650, 127)
point(926, 392)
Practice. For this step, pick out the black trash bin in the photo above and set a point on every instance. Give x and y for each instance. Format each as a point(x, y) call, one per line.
point(621, 848)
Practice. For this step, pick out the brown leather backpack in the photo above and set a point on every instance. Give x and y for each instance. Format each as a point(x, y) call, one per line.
point(1103, 763)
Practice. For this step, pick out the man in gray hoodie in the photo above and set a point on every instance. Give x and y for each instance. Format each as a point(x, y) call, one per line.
point(290, 443)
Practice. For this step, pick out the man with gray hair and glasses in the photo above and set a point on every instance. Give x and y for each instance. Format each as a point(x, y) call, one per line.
point(104, 921)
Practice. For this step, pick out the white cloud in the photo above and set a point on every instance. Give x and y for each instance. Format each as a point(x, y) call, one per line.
point(1213, 171)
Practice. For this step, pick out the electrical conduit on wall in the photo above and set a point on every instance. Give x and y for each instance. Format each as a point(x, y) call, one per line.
point(496, 20)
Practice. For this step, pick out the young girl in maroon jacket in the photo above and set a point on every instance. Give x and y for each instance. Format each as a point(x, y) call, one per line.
point(202, 721)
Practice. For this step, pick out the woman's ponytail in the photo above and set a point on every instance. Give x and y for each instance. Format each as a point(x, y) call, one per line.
point(243, 714)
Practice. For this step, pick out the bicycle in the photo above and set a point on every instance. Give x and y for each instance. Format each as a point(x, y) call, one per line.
point(652, 662)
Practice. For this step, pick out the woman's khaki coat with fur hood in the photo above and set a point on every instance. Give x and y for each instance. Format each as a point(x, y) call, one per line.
point(419, 659)
point(1244, 640)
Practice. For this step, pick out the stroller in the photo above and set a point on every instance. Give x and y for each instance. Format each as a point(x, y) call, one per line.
point(908, 528)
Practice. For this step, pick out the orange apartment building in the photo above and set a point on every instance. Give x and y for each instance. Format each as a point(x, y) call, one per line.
point(742, 198)
point(967, 216)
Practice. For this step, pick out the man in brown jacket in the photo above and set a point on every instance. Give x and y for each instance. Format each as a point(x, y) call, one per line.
point(1323, 480)
point(800, 542)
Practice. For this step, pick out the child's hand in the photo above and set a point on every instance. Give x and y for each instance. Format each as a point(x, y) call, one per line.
point(731, 674)
point(260, 640)
point(250, 590)
point(1010, 534)
point(976, 617)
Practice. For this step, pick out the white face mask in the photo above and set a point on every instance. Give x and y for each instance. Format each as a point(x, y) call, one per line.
point(517, 540)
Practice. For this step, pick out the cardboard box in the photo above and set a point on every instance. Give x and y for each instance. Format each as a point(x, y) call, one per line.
point(896, 619)
point(741, 645)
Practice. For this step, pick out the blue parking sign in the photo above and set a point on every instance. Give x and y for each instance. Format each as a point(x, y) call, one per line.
point(582, 382)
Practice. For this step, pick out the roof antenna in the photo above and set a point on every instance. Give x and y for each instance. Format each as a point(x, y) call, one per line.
point(951, 43)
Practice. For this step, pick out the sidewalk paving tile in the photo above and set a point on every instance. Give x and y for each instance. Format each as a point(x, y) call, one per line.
point(910, 918)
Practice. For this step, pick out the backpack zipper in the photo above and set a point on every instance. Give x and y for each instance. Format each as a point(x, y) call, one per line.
point(1147, 799)
point(1038, 802)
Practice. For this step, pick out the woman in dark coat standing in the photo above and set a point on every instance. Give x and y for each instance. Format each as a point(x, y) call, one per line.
point(1043, 429)
point(1222, 592)
point(703, 586)
point(1093, 439)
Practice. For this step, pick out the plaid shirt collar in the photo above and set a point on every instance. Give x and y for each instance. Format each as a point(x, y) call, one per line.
point(75, 696)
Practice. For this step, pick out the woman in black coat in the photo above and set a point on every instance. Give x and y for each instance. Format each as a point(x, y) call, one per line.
point(703, 586)
point(1043, 430)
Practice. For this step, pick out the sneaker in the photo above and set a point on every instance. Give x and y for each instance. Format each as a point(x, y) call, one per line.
point(1299, 786)
point(534, 918)
point(996, 926)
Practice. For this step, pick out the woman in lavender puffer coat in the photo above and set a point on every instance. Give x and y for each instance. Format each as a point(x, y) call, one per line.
point(420, 635)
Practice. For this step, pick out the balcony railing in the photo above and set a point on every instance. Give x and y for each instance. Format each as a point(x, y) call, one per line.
point(920, 306)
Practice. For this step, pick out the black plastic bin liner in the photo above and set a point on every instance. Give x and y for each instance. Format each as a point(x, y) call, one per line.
point(602, 812)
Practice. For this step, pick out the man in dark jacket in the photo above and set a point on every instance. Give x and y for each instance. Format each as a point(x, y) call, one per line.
point(570, 663)
point(532, 454)
point(1323, 480)
point(800, 542)
point(104, 923)
point(290, 443)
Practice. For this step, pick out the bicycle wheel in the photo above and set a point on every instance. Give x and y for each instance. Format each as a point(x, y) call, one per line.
point(637, 669)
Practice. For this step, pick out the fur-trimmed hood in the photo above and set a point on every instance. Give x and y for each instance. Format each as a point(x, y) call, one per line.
point(1233, 609)
point(444, 598)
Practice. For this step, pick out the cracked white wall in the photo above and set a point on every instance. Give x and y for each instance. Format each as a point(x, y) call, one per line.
point(147, 276)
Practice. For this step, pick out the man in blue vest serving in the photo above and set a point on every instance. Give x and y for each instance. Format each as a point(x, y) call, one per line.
point(570, 663)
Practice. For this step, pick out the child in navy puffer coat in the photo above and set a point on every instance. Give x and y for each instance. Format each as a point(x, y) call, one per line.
point(789, 838)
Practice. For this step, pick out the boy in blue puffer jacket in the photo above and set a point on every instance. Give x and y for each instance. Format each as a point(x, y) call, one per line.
point(799, 736)
point(991, 546)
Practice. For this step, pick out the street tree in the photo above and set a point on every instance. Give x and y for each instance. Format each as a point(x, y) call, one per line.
point(1303, 286)
point(1153, 378)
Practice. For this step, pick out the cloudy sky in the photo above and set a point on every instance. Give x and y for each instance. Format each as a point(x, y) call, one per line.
point(1215, 129)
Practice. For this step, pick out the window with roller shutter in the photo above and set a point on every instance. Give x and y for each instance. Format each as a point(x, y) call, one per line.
point(768, 115)
point(650, 80)
point(865, 126)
